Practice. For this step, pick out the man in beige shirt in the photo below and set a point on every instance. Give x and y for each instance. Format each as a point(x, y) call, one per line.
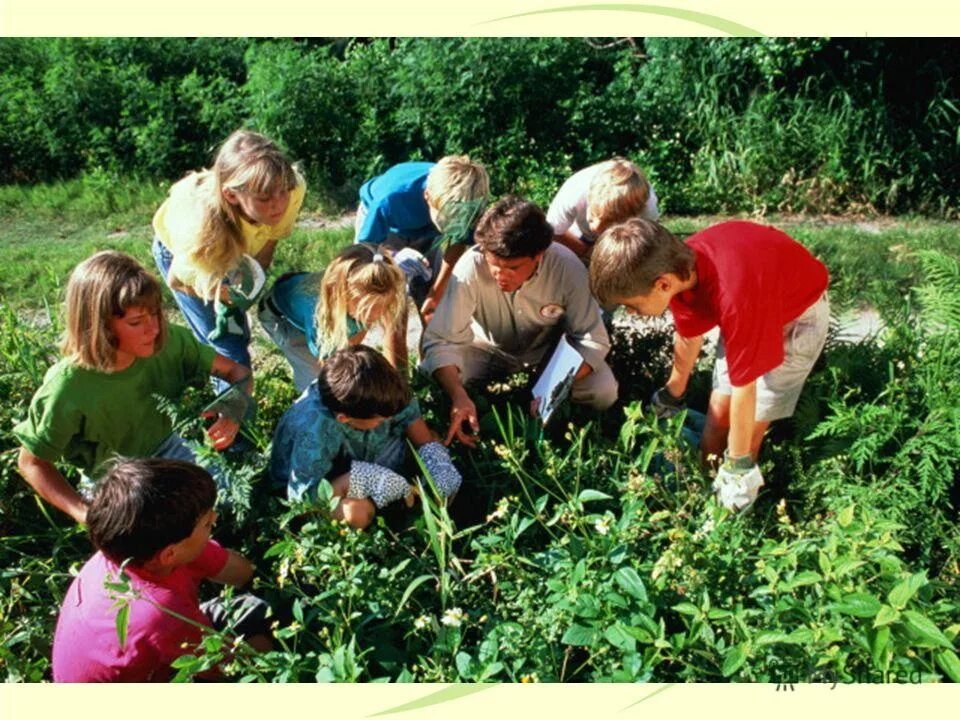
point(509, 299)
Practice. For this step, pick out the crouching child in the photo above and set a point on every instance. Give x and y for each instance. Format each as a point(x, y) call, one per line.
point(350, 427)
point(157, 516)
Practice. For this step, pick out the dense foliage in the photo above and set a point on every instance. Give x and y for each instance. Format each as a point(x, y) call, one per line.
point(748, 124)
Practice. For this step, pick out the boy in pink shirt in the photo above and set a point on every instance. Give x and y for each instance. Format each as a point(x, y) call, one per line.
point(768, 295)
point(158, 514)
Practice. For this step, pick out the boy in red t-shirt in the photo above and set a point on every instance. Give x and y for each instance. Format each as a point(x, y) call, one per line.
point(768, 295)
point(158, 514)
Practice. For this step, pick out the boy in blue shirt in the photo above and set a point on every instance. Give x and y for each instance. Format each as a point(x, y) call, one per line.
point(412, 205)
point(350, 427)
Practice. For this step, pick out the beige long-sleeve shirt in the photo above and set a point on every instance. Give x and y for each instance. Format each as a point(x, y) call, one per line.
point(521, 323)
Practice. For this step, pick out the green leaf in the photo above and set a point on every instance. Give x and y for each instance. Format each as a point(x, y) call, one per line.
point(858, 605)
point(880, 642)
point(734, 659)
point(464, 661)
point(123, 619)
point(904, 591)
point(949, 663)
point(619, 638)
point(845, 516)
point(886, 616)
point(590, 495)
point(769, 637)
point(687, 608)
point(926, 630)
point(630, 582)
point(297, 611)
point(414, 584)
point(579, 635)
point(807, 577)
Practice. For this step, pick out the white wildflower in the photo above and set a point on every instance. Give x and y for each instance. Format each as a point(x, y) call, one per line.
point(422, 622)
point(453, 617)
point(602, 525)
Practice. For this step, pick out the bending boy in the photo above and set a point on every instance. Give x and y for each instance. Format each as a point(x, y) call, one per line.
point(509, 299)
point(768, 295)
point(598, 197)
point(411, 205)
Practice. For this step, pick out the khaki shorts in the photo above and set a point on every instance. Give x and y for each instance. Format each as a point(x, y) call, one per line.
point(779, 390)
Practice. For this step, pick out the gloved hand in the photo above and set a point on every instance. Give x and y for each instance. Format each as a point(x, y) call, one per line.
point(230, 321)
point(240, 301)
point(666, 405)
point(234, 403)
point(738, 482)
point(382, 485)
point(413, 264)
point(436, 458)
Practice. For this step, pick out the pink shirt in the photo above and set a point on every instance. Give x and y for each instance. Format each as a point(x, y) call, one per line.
point(751, 281)
point(86, 647)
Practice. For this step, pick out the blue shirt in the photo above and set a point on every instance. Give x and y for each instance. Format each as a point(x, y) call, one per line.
point(295, 296)
point(309, 438)
point(395, 204)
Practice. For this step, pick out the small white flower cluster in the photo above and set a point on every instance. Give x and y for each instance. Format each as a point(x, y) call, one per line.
point(602, 525)
point(503, 505)
point(422, 622)
point(453, 617)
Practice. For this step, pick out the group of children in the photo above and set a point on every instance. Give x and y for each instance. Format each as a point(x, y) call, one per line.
point(496, 290)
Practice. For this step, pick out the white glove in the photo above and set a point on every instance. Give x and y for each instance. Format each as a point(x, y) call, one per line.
point(382, 485)
point(737, 489)
point(413, 264)
point(436, 458)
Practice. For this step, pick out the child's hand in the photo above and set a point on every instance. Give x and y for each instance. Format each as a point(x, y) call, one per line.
point(411, 497)
point(223, 432)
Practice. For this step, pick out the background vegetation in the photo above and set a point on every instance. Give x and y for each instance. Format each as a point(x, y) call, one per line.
point(795, 125)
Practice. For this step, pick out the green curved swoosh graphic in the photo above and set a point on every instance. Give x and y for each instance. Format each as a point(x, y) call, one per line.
point(650, 695)
point(711, 21)
point(453, 692)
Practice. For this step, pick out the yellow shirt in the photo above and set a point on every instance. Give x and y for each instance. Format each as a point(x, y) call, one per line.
point(177, 223)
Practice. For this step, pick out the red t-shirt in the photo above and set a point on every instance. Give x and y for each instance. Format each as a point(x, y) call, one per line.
point(751, 281)
point(85, 645)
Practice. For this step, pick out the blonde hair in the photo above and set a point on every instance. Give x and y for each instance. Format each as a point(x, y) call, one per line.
point(619, 191)
point(456, 179)
point(101, 288)
point(363, 275)
point(246, 162)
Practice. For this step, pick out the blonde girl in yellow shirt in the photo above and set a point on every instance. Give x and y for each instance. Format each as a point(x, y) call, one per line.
point(243, 205)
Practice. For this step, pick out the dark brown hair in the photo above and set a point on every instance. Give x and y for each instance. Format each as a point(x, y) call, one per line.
point(629, 257)
point(514, 227)
point(141, 506)
point(359, 382)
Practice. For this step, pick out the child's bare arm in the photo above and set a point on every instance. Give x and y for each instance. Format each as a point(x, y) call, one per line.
point(50, 484)
point(419, 433)
point(571, 241)
point(685, 354)
point(237, 572)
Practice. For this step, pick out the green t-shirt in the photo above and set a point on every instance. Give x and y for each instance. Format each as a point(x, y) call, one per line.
point(86, 416)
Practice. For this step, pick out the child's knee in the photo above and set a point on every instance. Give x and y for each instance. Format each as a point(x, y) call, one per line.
point(718, 411)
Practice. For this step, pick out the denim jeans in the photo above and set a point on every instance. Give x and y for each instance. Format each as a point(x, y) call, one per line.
point(202, 318)
point(292, 343)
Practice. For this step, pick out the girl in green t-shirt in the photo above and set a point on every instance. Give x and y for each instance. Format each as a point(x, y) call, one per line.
point(98, 401)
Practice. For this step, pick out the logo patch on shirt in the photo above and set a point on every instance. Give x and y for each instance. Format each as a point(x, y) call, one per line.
point(551, 311)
